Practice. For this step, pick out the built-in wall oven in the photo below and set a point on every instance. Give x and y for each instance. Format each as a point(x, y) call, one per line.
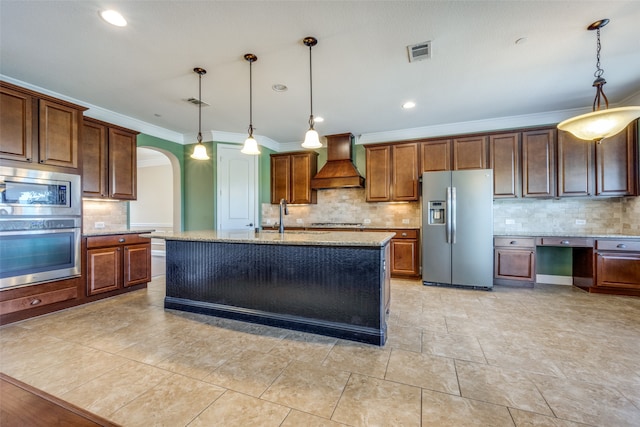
point(40, 226)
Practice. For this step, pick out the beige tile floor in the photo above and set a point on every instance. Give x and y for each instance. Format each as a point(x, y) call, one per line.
point(550, 356)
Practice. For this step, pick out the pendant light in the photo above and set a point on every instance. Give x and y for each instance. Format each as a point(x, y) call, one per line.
point(250, 144)
point(200, 151)
point(605, 122)
point(311, 139)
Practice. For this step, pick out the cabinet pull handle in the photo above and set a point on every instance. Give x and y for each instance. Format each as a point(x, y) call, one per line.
point(29, 159)
point(564, 242)
point(404, 234)
point(121, 240)
point(35, 301)
point(41, 161)
point(513, 242)
point(622, 246)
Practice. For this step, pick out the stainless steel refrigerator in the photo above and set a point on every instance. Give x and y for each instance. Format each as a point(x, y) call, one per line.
point(457, 228)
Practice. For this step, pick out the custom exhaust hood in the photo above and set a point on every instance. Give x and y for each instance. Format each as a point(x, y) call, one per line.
point(339, 171)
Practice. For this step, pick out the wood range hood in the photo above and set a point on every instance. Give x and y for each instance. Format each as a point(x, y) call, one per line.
point(339, 171)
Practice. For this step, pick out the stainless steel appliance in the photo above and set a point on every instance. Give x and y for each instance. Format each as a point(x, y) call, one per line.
point(40, 226)
point(457, 228)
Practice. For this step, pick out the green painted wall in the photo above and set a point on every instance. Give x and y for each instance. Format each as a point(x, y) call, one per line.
point(554, 261)
point(200, 189)
point(264, 178)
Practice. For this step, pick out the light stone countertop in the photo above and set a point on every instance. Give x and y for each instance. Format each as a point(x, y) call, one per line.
point(94, 233)
point(569, 234)
point(302, 238)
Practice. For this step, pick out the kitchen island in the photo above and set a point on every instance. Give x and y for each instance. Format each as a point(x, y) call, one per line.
point(330, 283)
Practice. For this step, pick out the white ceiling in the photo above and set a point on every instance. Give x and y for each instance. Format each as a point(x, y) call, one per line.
point(361, 72)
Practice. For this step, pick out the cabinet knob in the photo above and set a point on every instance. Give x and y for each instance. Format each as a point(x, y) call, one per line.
point(35, 301)
point(41, 161)
point(404, 234)
point(622, 246)
point(121, 240)
point(29, 159)
point(564, 242)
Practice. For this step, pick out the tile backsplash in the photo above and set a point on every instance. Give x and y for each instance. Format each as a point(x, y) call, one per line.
point(567, 215)
point(112, 213)
point(346, 205)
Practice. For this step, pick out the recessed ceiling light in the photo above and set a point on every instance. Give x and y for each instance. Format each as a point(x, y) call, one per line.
point(113, 18)
point(318, 119)
point(408, 105)
point(279, 87)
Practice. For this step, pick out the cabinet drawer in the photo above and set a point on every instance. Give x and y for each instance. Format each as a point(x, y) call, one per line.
point(514, 242)
point(566, 241)
point(115, 240)
point(404, 233)
point(37, 300)
point(618, 245)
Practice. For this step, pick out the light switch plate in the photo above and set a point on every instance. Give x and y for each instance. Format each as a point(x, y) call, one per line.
point(99, 224)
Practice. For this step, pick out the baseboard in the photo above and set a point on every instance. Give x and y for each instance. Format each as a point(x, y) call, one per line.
point(554, 280)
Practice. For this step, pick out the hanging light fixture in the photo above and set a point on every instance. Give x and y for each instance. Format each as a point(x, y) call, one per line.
point(200, 151)
point(311, 139)
point(250, 144)
point(605, 122)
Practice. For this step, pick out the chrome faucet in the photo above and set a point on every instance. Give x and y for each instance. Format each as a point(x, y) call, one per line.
point(283, 207)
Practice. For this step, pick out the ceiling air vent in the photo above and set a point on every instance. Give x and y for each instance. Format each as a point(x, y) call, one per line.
point(420, 51)
point(195, 101)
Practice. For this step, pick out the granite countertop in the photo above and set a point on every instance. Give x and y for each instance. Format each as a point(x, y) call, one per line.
point(346, 226)
point(303, 238)
point(569, 234)
point(93, 233)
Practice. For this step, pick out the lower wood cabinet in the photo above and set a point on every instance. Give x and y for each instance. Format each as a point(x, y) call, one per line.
point(34, 300)
point(405, 253)
point(116, 262)
point(618, 266)
point(514, 261)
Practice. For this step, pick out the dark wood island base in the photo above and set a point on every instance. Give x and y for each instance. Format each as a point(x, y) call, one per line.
point(339, 289)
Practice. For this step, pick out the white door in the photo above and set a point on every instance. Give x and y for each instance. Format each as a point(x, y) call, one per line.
point(237, 189)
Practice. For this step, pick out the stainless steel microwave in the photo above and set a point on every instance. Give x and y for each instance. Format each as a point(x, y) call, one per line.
point(29, 192)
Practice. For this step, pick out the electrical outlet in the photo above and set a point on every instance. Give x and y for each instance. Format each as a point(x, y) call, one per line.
point(299, 221)
point(99, 224)
point(509, 221)
point(405, 220)
point(366, 221)
point(581, 221)
point(268, 221)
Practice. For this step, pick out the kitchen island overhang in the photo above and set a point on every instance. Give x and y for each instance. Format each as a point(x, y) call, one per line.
point(329, 283)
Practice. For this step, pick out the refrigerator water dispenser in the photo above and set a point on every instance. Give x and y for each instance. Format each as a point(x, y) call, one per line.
point(436, 212)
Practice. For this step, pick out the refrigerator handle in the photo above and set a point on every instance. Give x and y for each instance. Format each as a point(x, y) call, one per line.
point(448, 220)
point(454, 214)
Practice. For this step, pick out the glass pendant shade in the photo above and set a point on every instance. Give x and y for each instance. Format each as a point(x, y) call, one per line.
point(600, 124)
point(311, 139)
point(200, 152)
point(250, 146)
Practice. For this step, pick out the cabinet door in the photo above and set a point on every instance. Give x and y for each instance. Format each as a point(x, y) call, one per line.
point(404, 172)
point(616, 165)
point(104, 270)
point(280, 178)
point(618, 270)
point(16, 125)
point(404, 257)
point(378, 160)
point(470, 153)
point(122, 164)
point(538, 163)
point(435, 156)
point(94, 160)
point(575, 167)
point(58, 134)
point(514, 264)
point(504, 156)
point(137, 264)
point(303, 168)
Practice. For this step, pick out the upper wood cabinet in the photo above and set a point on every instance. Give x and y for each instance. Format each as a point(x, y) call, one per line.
point(435, 156)
point(470, 152)
point(378, 179)
point(291, 175)
point(538, 163)
point(616, 164)
point(605, 169)
point(109, 156)
point(392, 172)
point(504, 156)
point(38, 129)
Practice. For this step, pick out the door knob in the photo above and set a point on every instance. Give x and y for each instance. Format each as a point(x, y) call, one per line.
point(249, 225)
